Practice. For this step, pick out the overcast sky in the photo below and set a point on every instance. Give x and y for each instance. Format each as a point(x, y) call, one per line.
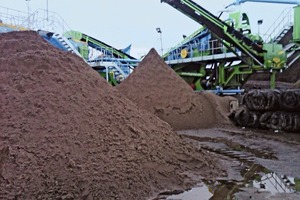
point(120, 23)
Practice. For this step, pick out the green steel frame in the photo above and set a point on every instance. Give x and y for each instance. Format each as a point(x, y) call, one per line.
point(256, 56)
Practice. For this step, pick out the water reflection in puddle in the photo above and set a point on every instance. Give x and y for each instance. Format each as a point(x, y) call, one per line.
point(199, 192)
point(275, 184)
point(257, 177)
point(253, 175)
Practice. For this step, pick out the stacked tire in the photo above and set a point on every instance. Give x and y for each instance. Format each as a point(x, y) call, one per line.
point(270, 109)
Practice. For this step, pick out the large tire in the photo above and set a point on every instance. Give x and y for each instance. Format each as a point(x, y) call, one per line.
point(290, 100)
point(281, 110)
point(254, 119)
point(273, 97)
point(262, 100)
point(241, 117)
point(247, 100)
point(278, 121)
point(246, 118)
point(259, 100)
point(265, 119)
point(295, 117)
point(285, 121)
point(253, 99)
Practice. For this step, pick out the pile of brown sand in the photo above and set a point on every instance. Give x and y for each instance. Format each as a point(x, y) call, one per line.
point(67, 134)
point(221, 105)
point(154, 86)
point(297, 84)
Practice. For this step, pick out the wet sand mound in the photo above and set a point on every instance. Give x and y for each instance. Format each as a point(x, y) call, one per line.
point(67, 134)
point(221, 107)
point(154, 86)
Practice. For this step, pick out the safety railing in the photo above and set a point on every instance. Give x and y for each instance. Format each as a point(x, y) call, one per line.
point(50, 21)
point(199, 49)
point(14, 18)
point(282, 23)
point(40, 19)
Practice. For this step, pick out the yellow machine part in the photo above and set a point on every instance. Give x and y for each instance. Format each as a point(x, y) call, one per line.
point(183, 53)
point(20, 28)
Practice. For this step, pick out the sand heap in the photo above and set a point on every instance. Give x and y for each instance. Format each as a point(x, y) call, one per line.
point(154, 86)
point(67, 134)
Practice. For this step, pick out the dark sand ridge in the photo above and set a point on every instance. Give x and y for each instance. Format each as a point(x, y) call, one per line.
point(67, 134)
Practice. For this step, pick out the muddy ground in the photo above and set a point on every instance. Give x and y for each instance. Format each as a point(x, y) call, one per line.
point(257, 163)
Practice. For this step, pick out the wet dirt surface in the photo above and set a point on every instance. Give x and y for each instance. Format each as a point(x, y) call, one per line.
point(260, 164)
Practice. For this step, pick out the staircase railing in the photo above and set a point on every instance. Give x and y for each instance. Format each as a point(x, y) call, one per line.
point(67, 44)
point(282, 23)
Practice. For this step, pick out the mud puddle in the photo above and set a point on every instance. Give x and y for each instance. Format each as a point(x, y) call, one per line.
point(258, 166)
point(200, 191)
point(260, 179)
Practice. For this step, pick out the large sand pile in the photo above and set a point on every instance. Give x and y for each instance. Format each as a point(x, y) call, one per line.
point(66, 134)
point(154, 86)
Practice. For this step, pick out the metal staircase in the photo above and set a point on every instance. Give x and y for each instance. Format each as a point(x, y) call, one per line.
point(110, 62)
point(111, 66)
point(66, 43)
point(281, 26)
point(283, 33)
point(119, 69)
point(59, 41)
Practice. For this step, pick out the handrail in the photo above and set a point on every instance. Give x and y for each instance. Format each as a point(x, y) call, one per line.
point(284, 20)
point(40, 19)
point(212, 48)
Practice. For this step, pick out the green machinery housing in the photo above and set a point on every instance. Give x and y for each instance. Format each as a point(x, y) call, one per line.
point(222, 55)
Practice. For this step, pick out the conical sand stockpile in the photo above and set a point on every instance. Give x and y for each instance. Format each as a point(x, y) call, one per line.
point(66, 134)
point(154, 86)
point(221, 107)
